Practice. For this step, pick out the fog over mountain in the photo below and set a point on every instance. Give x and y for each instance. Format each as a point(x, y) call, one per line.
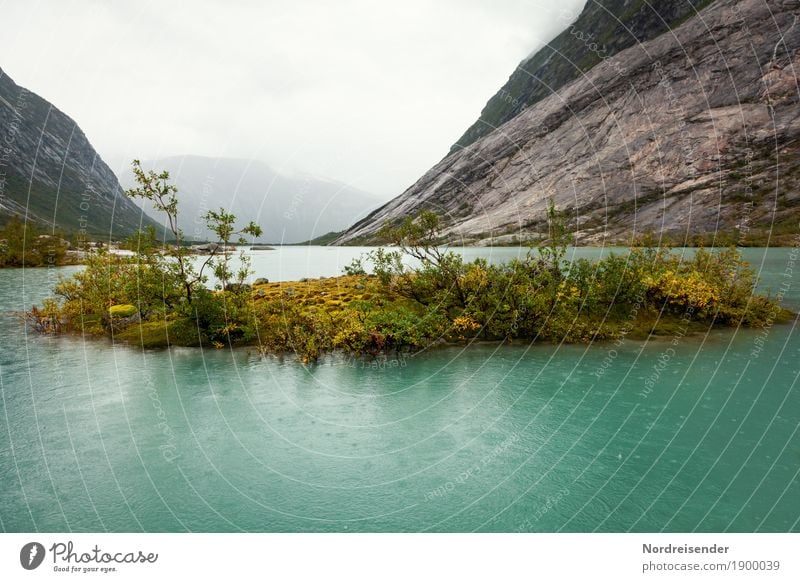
point(290, 208)
point(368, 93)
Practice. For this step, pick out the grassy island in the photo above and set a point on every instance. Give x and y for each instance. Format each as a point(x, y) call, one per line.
point(23, 244)
point(158, 298)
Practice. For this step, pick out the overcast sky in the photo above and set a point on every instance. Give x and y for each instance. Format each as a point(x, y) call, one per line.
point(368, 92)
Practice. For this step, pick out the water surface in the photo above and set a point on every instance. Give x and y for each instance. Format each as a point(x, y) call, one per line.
point(98, 437)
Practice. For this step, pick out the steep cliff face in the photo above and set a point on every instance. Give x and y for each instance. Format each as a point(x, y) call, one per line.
point(604, 28)
point(50, 173)
point(694, 131)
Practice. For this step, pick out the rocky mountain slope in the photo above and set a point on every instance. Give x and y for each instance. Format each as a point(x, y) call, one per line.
point(290, 209)
point(601, 30)
point(51, 175)
point(692, 132)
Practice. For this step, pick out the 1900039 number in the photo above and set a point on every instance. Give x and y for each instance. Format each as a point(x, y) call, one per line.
point(766, 565)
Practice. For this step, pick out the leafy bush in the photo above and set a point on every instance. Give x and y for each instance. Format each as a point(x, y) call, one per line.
point(540, 297)
point(25, 245)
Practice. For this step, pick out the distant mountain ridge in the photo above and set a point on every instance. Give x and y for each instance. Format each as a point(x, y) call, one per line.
point(290, 209)
point(51, 175)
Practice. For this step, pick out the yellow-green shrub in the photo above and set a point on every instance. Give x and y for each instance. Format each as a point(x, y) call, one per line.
point(125, 310)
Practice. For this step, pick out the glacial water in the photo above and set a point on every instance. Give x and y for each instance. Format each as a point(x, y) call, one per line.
point(676, 434)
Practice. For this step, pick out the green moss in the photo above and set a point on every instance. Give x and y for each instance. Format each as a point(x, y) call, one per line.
point(122, 310)
point(90, 324)
point(663, 325)
point(161, 334)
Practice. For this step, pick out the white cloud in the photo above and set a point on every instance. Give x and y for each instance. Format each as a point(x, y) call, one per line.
point(372, 93)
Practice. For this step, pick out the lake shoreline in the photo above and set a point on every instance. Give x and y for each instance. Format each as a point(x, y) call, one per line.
point(571, 250)
point(158, 297)
point(334, 294)
point(698, 333)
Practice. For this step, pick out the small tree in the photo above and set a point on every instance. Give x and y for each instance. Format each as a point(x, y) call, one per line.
point(554, 248)
point(156, 188)
point(222, 224)
point(142, 242)
point(419, 237)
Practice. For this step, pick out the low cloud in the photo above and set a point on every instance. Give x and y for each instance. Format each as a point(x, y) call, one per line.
point(368, 93)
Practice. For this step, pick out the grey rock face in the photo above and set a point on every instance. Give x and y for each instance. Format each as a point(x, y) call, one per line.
point(603, 29)
point(50, 173)
point(695, 131)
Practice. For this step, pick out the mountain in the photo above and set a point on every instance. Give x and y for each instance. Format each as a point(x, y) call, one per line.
point(694, 131)
point(290, 209)
point(601, 30)
point(51, 175)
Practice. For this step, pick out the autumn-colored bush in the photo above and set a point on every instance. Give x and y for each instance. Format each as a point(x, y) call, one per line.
point(391, 307)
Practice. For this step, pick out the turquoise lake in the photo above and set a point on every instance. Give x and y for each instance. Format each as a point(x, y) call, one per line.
point(502, 438)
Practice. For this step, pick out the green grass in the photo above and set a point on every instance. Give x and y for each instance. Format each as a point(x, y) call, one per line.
point(160, 334)
point(64, 206)
point(122, 310)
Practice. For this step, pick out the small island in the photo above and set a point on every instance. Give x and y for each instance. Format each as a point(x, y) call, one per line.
point(23, 244)
point(156, 297)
